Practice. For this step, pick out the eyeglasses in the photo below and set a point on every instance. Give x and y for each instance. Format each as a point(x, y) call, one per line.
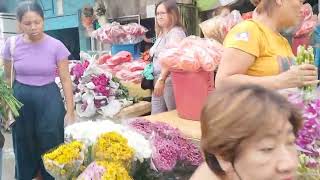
point(161, 13)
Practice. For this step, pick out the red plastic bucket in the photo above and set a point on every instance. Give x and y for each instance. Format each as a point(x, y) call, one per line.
point(191, 90)
point(297, 41)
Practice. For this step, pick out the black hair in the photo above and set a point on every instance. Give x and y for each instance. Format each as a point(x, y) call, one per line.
point(243, 6)
point(27, 6)
point(214, 164)
point(315, 9)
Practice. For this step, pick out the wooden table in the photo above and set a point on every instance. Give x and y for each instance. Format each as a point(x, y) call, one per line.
point(135, 89)
point(190, 129)
point(139, 109)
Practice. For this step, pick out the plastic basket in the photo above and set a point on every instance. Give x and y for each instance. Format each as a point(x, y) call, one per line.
point(134, 49)
point(191, 90)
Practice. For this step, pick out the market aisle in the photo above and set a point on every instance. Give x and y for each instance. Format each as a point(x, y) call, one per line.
point(8, 158)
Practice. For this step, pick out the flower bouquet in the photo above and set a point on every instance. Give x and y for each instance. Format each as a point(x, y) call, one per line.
point(89, 131)
point(115, 33)
point(308, 140)
point(97, 91)
point(93, 171)
point(65, 161)
point(108, 141)
point(115, 171)
point(173, 156)
point(102, 170)
point(306, 56)
point(112, 147)
point(7, 98)
point(9, 105)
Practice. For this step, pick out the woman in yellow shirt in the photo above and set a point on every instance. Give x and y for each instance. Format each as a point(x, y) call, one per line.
point(257, 53)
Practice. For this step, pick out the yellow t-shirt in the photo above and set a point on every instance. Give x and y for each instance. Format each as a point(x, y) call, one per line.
point(272, 51)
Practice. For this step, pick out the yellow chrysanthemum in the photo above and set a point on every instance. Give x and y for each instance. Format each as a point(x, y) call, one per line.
point(114, 171)
point(65, 153)
point(112, 147)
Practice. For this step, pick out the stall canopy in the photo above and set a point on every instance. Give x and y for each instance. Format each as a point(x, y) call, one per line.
point(121, 8)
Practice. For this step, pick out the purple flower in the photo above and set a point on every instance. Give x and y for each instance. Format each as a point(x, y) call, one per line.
point(313, 164)
point(164, 155)
point(100, 102)
point(142, 126)
point(169, 145)
point(85, 64)
point(308, 138)
point(100, 89)
point(77, 71)
point(100, 80)
point(188, 152)
point(93, 171)
point(84, 106)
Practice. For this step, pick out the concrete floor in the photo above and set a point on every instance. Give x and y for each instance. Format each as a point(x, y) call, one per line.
point(8, 158)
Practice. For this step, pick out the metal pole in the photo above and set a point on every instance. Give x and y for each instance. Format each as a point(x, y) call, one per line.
point(137, 17)
point(92, 44)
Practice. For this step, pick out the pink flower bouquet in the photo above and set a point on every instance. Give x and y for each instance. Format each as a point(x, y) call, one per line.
point(96, 91)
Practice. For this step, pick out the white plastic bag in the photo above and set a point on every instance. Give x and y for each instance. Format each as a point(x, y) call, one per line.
point(87, 108)
point(113, 108)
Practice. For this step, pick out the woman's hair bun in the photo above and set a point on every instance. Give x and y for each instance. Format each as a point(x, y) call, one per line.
point(255, 2)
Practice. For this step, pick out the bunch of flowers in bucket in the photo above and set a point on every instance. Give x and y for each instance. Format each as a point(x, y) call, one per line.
point(173, 156)
point(65, 161)
point(97, 91)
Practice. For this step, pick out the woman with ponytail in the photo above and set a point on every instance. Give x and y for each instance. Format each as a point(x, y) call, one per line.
point(256, 52)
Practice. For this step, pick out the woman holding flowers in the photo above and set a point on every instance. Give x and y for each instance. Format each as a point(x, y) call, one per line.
point(241, 144)
point(169, 31)
point(257, 53)
point(35, 56)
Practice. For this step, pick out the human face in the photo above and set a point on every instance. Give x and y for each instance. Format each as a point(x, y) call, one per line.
point(32, 25)
point(268, 156)
point(163, 18)
point(291, 12)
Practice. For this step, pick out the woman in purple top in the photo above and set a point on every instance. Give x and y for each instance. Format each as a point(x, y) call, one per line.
point(40, 126)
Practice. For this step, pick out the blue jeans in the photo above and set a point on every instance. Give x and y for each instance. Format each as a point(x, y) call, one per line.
point(166, 102)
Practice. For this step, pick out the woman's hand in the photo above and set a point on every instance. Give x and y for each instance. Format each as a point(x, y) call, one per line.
point(147, 40)
point(159, 88)
point(69, 118)
point(299, 76)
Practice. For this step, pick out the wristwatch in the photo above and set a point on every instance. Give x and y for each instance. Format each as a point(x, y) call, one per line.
point(161, 79)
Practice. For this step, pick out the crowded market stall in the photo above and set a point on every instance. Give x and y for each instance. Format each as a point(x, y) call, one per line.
point(116, 130)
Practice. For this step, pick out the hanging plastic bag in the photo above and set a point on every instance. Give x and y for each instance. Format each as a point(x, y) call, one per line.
point(218, 27)
point(192, 54)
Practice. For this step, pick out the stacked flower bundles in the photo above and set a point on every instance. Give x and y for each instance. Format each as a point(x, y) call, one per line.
point(173, 156)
